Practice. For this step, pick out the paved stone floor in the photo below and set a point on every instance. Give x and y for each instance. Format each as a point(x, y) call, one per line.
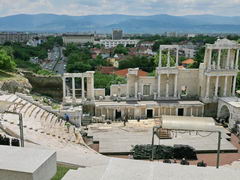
point(210, 159)
point(117, 138)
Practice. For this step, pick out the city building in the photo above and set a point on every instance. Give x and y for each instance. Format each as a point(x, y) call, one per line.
point(15, 37)
point(173, 90)
point(171, 34)
point(78, 38)
point(187, 52)
point(117, 34)
point(108, 43)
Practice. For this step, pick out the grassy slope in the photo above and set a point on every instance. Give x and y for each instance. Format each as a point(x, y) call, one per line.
point(61, 171)
point(9, 75)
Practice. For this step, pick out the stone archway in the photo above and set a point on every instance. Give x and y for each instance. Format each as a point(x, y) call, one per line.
point(224, 114)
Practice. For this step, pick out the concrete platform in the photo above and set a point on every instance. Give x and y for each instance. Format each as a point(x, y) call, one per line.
point(119, 169)
point(26, 163)
point(116, 138)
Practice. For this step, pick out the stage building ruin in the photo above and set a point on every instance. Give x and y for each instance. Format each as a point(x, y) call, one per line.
point(174, 90)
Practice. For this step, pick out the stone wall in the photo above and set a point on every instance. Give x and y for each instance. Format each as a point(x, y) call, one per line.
point(210, 110)
point(118, 89)
point(99, 92)
point(190, 79)
point(46, 85)
point(16, 85)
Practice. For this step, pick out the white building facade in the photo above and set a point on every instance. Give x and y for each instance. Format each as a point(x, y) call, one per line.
point(109, 43)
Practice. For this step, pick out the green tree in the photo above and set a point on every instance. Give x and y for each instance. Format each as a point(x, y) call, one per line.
point(70, 48)
point(143, 62)
point(120, 49)
point(199, 58)
point(164, 60)
point(6, 61)
point(106, 80)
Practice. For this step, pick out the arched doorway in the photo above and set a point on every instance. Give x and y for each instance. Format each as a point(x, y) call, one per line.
point(224, 114)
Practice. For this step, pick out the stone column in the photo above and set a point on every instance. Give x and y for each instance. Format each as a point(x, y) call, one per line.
point(191, 111)
point(175, 85)
point(159, 111)
point(219, 58)
point(168, 58)
point(177, 57)
point(107, 117)
point(64, 87)
point(165, 110)
point(234, 85)
point(83, 91)
point(197, 111)
point(90, 85)
point(170, 111)
point(167, 86)
point(114, 114)
point(228, 58)
point(237, 57)
point(232, 60)
point(128, 87)
point(176, 111)
point(136, 89)
point(225, 86)
point(160, 58)
point(207, 87)
point(210, 58)
point(159, 85)
point(202, 111)
point(216, 86)
point(73, 88)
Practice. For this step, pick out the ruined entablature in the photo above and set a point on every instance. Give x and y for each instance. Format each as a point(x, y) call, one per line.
point(224, 44)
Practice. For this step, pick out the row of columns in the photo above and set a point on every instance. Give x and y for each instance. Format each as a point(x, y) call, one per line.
point(171, 109)
point(90, 87)
point(234, 64)
point(176, 111)
point(167, 85)
point(168, 58)
point(73, 87)
point(217, 84)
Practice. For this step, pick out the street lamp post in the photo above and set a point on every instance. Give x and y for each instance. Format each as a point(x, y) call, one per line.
point(4, 106)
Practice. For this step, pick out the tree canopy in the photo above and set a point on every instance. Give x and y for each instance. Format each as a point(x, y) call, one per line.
point(120, 49)
point(106, 80)
point(143, 62)
point(80, 60)
point(6, 60)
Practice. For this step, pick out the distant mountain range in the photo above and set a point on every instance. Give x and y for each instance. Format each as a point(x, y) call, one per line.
point(130, 24)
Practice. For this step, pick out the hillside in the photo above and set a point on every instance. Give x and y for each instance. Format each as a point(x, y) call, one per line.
point(130, 24)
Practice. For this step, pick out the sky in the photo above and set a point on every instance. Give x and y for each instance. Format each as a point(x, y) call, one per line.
point(129, 7)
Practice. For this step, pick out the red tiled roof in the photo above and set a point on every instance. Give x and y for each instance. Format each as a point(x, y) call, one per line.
point(188, 61)
point(107, 69)
point(124, 72)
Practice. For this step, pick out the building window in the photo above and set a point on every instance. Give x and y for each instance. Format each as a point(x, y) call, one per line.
point(146, 90)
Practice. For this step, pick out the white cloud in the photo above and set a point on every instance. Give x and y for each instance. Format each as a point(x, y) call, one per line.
point(133, 7)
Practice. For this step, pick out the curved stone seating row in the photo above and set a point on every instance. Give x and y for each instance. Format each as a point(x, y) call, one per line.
point(39, 121)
